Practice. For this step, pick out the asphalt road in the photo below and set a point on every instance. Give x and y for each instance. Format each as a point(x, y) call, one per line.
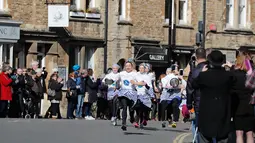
point(82, 131)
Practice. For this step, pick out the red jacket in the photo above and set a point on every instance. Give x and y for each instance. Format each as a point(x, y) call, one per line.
point(6, 89)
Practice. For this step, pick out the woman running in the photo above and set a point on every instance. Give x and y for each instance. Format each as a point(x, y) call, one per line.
point(111, 80)
point(144, 93)
point(171, 96)
point(127, 93)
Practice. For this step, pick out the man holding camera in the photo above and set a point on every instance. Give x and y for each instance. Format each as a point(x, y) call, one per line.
point(193, 96)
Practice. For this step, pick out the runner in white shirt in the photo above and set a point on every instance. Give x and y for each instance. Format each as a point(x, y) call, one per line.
point(127, 93)
point(148, 69)
point(111, 80)
point(143, 104)
point(170, 98)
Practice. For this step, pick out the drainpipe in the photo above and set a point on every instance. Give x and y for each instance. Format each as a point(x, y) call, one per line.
point(105, 35)
point(169, 51)
point(204, 23)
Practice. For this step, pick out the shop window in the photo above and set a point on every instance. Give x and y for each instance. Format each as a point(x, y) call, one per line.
point(242, 13)
point(229, 13)
point(122, 9)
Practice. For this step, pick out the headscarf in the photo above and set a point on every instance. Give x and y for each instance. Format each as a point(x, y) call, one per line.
point(116, 66)
point(147, 65)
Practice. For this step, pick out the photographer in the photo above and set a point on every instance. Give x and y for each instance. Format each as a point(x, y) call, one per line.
point(193, 96)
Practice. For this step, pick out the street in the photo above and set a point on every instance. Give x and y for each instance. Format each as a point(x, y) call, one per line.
point(99, 131)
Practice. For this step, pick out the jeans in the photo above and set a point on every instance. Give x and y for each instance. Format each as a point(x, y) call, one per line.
point(70, 109)
point(79, 106)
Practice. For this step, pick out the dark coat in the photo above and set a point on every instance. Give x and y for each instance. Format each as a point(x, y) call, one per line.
point(19, 84)
point(42, 80)
point(193, 96)
point(54, 85)
point(71, 86)
point(215, 102)
point(91, 88)
point(241, 96)
point(37, 89)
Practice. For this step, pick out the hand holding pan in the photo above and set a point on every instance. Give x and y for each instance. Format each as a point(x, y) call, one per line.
point(109, 81)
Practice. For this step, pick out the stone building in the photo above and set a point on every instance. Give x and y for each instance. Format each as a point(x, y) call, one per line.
point(138, 27)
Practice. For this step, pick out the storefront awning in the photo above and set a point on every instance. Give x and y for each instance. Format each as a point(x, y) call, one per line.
point(182, 49)
point(155, 55)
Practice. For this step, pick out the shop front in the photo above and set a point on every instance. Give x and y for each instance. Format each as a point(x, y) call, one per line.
point(154, 55)
point(9, 35)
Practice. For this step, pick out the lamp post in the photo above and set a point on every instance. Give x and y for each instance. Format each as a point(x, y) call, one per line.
point(105, 35)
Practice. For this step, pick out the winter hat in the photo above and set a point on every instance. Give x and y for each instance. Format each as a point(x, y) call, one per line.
point(76, 67)
point(55, 70)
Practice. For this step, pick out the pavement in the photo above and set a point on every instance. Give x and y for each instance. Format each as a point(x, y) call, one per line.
point(98, 131)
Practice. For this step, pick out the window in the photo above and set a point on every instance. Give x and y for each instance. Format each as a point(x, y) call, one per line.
point(229, 13)
point(167, 11)
point(90, 4)
point(41, 55)
point(242, 13)
point(77, 3)
point(122, 9)
point(2, 4)
point(183, 5)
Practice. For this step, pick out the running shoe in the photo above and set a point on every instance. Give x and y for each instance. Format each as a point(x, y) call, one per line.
point(54, 117)
point(114, 121)
point(144, 123)
point(169, 123)
point(174, 125)
point(163, 124)
point(136, 125)
point(123, 127)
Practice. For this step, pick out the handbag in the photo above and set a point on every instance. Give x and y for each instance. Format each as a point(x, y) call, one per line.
point(51, 92)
